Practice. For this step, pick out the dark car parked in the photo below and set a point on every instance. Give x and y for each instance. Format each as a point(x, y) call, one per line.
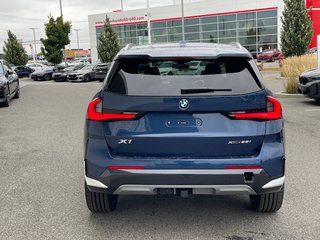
point(43, 74)
point(62, 74)
point(9, 84)
point(214, 131)
point(101, 71)
point(269, 55)
point(23, 71)
point(309, 84)
point(85, 74)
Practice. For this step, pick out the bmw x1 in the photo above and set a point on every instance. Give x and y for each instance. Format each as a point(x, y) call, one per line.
point(184, 119)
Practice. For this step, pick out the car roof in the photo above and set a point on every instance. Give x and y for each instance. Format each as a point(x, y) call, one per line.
point(184, 49)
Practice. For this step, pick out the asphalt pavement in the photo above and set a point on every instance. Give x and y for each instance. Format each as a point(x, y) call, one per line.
point(41, 179)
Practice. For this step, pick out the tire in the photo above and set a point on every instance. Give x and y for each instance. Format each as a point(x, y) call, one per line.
point(100, 202)
point(6, 103)
point(17, 95)
point(47, 77)
point(268, 202)
point(87, 78)
point(100, 80)
point(273, 59)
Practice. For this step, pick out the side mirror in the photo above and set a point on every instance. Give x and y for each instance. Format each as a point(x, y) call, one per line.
point(9, 72)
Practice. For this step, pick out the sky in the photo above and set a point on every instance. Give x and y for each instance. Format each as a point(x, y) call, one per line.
point(21, 15)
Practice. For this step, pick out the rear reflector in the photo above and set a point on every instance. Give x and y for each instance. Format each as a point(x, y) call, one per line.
point(95, 113)
point(114, 168)
point(242, 167)
point(274, 112)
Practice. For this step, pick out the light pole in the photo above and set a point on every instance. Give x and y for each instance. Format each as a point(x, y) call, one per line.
point(77, 30)
point(61, 14)
point(318, 49)
point(60, 8)
point(182, 20)
point(34, 44)
point(149, 22)
point(121, 5)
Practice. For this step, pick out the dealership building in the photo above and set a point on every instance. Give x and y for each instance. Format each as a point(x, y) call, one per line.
point(256, 24)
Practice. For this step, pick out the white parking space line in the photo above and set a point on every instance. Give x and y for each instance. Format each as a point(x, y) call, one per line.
point(313, 110)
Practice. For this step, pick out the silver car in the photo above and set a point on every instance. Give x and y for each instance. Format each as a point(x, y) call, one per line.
point(85, 74)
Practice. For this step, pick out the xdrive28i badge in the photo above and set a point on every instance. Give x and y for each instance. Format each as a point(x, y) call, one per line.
point(184, 104)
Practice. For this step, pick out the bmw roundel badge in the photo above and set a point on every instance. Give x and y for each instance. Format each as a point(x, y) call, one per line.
point(184, 104)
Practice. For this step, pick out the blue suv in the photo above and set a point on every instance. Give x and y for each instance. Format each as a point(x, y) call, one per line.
point(184, 119)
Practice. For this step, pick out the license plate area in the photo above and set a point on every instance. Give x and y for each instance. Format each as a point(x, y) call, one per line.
point(184, 122)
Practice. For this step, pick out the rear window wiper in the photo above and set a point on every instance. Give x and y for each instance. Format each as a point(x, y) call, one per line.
point(203, 90)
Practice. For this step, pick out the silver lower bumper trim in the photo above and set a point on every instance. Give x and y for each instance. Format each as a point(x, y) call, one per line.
point(94, 183)
point(196, 189)
point(192, 172)
point(275, 183)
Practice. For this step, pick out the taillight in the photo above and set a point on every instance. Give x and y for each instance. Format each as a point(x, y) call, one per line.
point(95, 113)
point(274, 112)
point(114, 168)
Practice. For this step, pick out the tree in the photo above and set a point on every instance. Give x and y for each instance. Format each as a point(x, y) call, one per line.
point(108, 43)
point(57, 33)
point(296, 30)
point(13, 50)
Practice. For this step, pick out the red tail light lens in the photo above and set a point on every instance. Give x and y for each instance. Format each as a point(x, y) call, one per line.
point(274, 112)
point(95, 113)
point(114, 168)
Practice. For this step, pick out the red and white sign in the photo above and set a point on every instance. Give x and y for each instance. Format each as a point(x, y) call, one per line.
point(122, 21)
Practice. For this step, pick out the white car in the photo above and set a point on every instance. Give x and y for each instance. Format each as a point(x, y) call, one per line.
point(36, 66)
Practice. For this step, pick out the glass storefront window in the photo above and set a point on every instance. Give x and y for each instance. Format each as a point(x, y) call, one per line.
point(227, 25)
point(247, 40)
point(206, 20)
point(191, 29)
point(192, 36)
point(209, 27)
point(227, 40)
point(175, 38)
point(267, 39)
point(156, 32)
point(247, 24)
point(246, 16)
point(158, 25)
point(267, 14)
point(227, 18)
point(174, 23)
point(210, 36)
point(174, 30)
point(267, 30)
point(267, 22)
point(254, 30)
point(191, 21)
point(226, 34)
point(131, 34)
point(159, 39)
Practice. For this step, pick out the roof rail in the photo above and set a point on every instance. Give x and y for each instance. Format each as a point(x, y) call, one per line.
point(236, 44)
point(128, 46)
point(183, 43)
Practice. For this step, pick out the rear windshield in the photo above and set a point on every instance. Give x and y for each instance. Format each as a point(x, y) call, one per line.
point(181, 77)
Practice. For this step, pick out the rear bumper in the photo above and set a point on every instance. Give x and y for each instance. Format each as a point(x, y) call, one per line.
point(215, 175)
point(197, 182)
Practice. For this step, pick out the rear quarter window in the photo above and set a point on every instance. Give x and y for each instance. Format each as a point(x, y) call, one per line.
point(169, 77)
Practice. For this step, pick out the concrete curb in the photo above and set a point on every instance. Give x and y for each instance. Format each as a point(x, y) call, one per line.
point(287, 95)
